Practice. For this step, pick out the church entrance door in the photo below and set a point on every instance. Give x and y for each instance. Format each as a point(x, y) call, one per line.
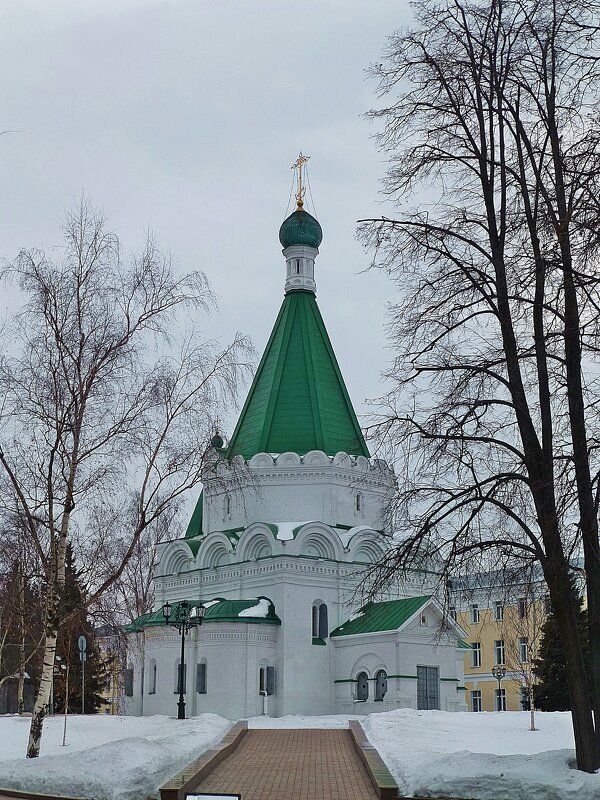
point(428, 688)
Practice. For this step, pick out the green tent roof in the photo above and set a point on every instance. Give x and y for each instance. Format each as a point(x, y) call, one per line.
point(298, 400)
point(220, 611)
point(388, 616)
point(194, 527)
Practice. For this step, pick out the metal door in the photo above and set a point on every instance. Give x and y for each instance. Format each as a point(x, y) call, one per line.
point(428, 688)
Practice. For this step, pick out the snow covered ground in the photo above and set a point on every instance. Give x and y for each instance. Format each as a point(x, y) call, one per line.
point(488, 756)
point(485, 756)
point(106, 758)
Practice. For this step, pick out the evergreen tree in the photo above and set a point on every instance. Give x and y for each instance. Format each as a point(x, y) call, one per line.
point(551, 693)
point(77, 624)
point(21, 625)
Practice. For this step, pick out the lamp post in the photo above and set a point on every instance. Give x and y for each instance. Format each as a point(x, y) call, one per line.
point(185, 617)
point(499, 673)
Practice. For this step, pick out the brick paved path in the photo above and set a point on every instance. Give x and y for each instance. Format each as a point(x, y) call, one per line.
point(301, 764)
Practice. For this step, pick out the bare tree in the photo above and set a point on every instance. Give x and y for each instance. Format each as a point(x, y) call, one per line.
point(493, 410)
point(104, 427)
point(521, 630)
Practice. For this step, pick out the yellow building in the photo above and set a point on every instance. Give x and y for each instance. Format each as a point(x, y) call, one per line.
point(110, 643)
point(503, 636)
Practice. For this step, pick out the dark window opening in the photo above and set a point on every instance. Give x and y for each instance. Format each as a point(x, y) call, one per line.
point(319, 622)
point(201, 678)
point(362, 687)
point(266, 680)
point(129, 682)
point(380, 684)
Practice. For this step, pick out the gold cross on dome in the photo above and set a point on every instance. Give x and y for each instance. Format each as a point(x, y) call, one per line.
point(298, 164)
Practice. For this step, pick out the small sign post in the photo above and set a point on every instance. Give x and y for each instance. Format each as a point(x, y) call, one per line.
point(82, 644)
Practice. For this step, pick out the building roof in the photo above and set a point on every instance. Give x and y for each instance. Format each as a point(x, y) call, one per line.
point(218, 610)
point(379, 617)
point(194, 527)
point(298, 400)
point(300, 228)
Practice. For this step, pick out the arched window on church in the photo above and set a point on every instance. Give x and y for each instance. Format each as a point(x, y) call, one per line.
point(227, 505)
point(152, 677)
point(362, 687)
point(359, 501)
point(320, 622)
point(201, 677)
point(380, 684)
point(266, 680)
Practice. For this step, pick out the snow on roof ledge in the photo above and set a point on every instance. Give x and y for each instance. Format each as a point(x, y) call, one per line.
point(259, 610)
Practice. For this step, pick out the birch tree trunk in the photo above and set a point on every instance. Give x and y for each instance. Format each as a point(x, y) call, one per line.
point(42, 700)
point(56, 585)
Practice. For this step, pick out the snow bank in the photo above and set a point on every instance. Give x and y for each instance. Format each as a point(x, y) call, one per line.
point(106, 758)
point(488, 756)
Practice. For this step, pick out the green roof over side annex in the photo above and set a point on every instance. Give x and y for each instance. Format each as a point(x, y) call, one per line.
point(380, 617)
point(220, 611)
point(298, 400)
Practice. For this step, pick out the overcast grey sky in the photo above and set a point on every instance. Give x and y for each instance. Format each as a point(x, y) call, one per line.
point(186, 115)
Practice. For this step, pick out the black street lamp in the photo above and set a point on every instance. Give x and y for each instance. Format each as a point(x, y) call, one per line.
point(186, 617)
point(499, 673)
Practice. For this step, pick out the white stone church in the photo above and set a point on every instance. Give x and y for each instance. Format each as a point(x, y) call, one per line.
point(291, 514)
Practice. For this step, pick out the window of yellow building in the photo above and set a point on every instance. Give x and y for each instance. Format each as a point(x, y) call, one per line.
point(499, 651)
point(524, 649)
point(500, 699)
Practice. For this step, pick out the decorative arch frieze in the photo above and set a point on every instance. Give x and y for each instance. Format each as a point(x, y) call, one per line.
point(288, 460)
point(318, 540)
point(367, 553)
point(362, 464)
point(175, 559)
point(342, 459)
point(261, 460)
point(364, 548)
point(257, 541)
point(316, 458)
point(214, 552)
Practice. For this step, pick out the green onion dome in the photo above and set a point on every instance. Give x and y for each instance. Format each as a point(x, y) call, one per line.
point(217, 441)
point(300, 228)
